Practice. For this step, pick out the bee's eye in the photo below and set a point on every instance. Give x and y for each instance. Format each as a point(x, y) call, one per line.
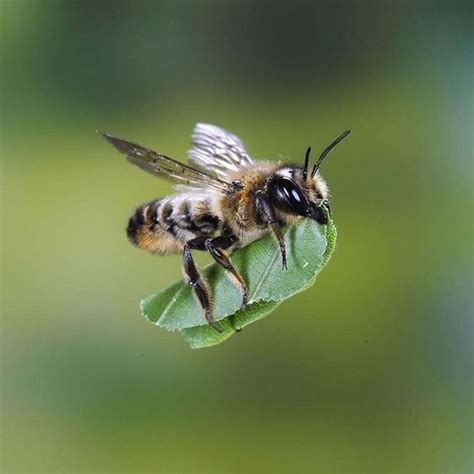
point(287, 196)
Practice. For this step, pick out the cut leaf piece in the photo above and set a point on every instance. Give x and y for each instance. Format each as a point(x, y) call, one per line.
point(205, 336)
point(309, 246)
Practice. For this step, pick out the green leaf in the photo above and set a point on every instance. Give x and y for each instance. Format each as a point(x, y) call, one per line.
point(205, 336)
point(309, 246)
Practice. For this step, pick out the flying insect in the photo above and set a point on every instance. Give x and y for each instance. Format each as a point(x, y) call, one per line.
point(223, 202)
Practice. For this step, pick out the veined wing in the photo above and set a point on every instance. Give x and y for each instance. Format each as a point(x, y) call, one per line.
point(218, 150)
point(160, 165)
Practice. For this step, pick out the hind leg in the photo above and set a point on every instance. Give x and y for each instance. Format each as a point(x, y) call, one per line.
point(199, 285)
point(216, 247)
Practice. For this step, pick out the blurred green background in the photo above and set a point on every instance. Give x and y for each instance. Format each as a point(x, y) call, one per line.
point(370, 370)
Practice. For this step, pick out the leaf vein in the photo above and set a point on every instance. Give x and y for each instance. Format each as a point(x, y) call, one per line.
point(170, 304)
point(264, 275)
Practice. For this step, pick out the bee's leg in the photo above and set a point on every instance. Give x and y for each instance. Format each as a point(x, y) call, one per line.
point(216, 248)
point(266, 214)
point(200, 286)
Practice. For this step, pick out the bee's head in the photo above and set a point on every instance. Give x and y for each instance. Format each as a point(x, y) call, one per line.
point(295, 191)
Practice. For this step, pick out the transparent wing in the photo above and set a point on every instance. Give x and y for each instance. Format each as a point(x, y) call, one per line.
point(218, 150)
point(161, 165)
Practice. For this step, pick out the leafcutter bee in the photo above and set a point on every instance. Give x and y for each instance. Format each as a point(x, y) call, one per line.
point(225, 201)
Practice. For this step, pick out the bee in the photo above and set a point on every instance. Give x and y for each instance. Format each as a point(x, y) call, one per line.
point(224, 202)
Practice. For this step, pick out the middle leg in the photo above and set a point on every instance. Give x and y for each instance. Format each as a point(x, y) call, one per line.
point(217, 248)
point(199, 285)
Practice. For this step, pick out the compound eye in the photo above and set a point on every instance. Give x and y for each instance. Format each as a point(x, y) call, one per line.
point(288, 196)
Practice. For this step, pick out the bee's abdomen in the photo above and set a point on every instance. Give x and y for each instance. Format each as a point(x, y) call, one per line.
point(135, 222)
point(163, 226)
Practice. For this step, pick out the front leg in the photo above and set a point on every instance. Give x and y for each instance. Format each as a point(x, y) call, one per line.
point(266, 215)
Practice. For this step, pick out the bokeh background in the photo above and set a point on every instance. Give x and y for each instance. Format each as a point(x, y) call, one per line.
point(370, 370)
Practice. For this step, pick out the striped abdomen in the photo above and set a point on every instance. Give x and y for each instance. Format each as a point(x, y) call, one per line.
point(163, 226)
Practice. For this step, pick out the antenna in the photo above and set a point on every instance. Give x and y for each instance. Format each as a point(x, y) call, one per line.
point(327, 150)
point(306, 163)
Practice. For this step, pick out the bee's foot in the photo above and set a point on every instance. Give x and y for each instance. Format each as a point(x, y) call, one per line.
point(215, 325)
